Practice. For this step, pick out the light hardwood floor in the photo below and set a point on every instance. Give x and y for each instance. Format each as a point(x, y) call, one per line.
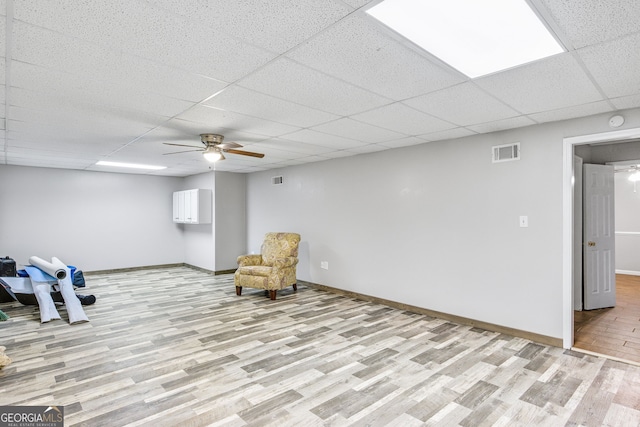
point(613, 331)
point(177, 347)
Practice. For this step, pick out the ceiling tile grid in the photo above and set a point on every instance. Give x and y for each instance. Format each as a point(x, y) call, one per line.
point(242, 100)
point(300, 81)
point(611, 65)
point(357, 51)
point(478, 106)
point(296, 83)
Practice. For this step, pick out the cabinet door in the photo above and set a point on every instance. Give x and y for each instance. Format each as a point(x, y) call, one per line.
point(194, 202)
point(176, 206)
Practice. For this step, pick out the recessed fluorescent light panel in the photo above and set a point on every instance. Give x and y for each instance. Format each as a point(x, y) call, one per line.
point(475, 37)
point(130, 165)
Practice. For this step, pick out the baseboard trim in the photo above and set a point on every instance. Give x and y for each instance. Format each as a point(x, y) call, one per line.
point(150, 267)
point(126, 269)
point(542, 339)
point(628, 272)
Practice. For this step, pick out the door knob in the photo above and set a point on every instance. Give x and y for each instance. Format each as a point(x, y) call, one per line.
point(591, 243)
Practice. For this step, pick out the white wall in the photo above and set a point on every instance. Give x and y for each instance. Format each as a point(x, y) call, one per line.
point(200, 249)
point(435, 225)
point(93, 220)
point(230, 219)
point(627, 224)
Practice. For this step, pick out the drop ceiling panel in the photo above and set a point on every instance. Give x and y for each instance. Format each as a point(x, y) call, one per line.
point(590, 22)
point(32, 82)
point(608, 63)
point(403, 142)
point(357, 51)
point(624, 102)
point(511, 123)
point(358, 131)
point(215, 118)
point(572, 112)
point(448, 134)
point(276, 25)
point(267, 107)
point(309, 136)
point(295, 146)
point(169, 39)
point(96, 64)
point(296, 83)
point(549, 84)
point(478, 106)
point(403, 119)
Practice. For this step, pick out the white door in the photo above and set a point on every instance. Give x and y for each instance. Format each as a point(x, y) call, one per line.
point(599, 237)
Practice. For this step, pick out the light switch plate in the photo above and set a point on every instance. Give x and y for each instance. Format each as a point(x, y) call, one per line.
point(524, 221)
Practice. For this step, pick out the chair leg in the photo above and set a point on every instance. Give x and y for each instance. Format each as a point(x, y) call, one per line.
point(272, 294)
point(238, 290)
point(295, 286)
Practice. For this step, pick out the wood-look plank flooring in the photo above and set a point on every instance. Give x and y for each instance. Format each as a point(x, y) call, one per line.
point(613, 331)
point(177, 347)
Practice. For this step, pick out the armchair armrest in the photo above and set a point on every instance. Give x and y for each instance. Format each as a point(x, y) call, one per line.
point(285, 262)
point(244, 260)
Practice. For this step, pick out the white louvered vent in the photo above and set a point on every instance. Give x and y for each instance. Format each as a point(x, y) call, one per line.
point(505, 153)
point(276, 180)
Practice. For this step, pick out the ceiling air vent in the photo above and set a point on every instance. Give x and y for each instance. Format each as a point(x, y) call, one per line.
point(505, 153)
point(276, 180)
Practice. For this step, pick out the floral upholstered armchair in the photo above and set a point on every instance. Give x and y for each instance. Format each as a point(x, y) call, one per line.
point(273, 269)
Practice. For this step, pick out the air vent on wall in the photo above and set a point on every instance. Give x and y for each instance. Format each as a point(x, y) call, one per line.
point(276, 180)
point(505, 153)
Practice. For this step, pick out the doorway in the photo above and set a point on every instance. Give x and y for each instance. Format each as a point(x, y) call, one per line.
point(569, 248)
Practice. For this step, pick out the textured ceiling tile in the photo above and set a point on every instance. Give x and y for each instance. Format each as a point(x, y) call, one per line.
point(357, 51)
point(3, 31)
point(358, 3)
point(590, 22)
point(403, 119)
point(358, 131)
point(448, 134)
point(242, 100)
point(215, 118)
point(609, 65)
point(294, 146)
point(296, 83)
point(371, 148)
point(499, 125)
point(572, 112)
point(308, 136)
point(55, 51)
point(404, 142)
point(624, 102)
point(31, 83)
point(276, 25)
point(463, 105)
point(549, 84)
point(170, 40)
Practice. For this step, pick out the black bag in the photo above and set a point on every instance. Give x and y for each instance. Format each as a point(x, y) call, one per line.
point(7, 267)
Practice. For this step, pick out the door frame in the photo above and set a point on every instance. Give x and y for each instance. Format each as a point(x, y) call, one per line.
point(567, 218)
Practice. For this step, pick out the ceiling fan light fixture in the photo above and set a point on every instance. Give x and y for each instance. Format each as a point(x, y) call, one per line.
point(212, 155)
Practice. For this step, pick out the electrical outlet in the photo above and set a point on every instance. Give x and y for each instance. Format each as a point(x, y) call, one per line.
point(324, 265)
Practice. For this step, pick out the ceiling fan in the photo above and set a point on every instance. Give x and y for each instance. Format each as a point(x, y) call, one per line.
point(214, 147)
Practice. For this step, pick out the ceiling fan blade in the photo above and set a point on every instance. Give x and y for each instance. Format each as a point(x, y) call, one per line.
point(227, 145)
point(182, 145)
point(185, 151)
point(244, 153)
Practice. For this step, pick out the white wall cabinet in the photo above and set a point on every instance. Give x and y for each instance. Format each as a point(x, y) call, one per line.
point(192, 206)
